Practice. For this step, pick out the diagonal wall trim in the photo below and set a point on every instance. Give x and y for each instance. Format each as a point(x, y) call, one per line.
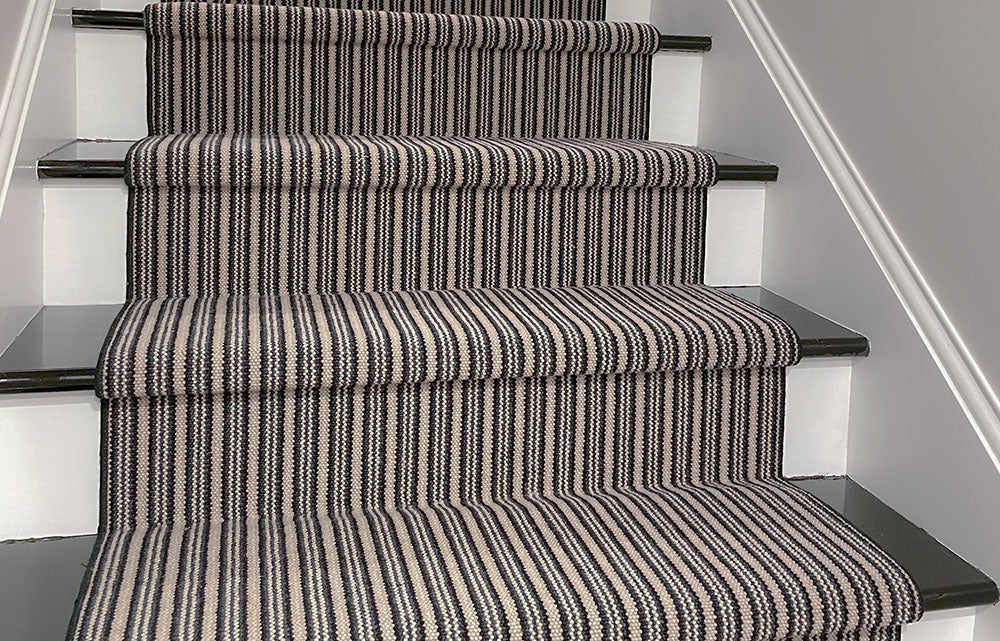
point(17, 92)
point(959, 368)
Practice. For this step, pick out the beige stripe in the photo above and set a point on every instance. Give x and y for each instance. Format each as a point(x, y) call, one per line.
point(212, 579)
point(293, 596)
point(456, 580)
point(410, 559)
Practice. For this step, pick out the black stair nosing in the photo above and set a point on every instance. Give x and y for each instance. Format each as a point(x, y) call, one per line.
point(85, 158)
point(58, 350)
point(40, 579)
point(699, 44)
point(134, 20)
point(945, 580)
point(108, 19)
point(818, 336)
point(738, 168)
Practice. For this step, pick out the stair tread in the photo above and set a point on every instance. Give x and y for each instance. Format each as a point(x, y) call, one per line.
point(379, 161)
point(59, 348)
point(348, 340)
point(818, 335)
point(945, 580)
point(134, 20)
point(39, 580)
point(106, 159)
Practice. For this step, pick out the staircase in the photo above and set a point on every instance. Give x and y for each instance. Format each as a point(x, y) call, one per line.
point(424, 336)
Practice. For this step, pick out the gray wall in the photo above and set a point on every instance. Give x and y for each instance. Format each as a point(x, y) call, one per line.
point(917, 110)
point(11, 16)
point(912, 88)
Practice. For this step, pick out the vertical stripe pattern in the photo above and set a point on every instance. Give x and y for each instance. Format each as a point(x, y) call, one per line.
point(273, 214)
point(273, 69)
point(556, 9)
point(416, 348)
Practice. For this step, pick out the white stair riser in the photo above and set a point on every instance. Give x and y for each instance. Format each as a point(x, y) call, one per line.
point(110, 105)
point(734, 234)
point(113, 105)
point(49, 457)
point(84, 239)
point(675, 97)
point(946, 625)
point(817, 412)
point(49, 449)
point(627, 10)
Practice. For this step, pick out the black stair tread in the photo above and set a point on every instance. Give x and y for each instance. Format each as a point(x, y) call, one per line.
point(59, 348)
point(39, 580)
point(106, 159)
point(39, 583)
point(818, 335)
point(109, 19)
point(945, 580)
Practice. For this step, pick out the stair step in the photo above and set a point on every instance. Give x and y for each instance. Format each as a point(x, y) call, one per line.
point(129, 20)
point(39, 579)
point(59, 348)
point(944, 579)
point(819, 336)
point(106, 159)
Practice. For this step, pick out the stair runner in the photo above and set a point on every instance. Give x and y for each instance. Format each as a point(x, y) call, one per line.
point(398, 364)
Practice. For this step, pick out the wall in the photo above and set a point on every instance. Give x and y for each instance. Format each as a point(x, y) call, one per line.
point(909, 441)
point(915, 98)
point(11, 21)
point(38, 114)
point(19, 296)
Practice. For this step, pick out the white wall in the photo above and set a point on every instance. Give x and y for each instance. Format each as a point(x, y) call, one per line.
point(19, 298)
point(909, 441)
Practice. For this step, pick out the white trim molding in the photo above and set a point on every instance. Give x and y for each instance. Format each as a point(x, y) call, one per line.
point(17, 92)
point(963, 375)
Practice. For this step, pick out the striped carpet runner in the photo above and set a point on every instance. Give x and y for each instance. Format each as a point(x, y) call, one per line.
point(348, 213)
point(280, 69)
point(559, 9)
point(416, 348)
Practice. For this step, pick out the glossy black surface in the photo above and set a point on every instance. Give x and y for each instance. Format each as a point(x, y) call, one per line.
point(39, 580)
point(59, 348)
point(85, 159)
point(739, 168)
point(108, 19)
point(944, 579)
point(685, 43)
point(106, 159)
point(39, 583)
point(105, 19)
point(818, 336)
